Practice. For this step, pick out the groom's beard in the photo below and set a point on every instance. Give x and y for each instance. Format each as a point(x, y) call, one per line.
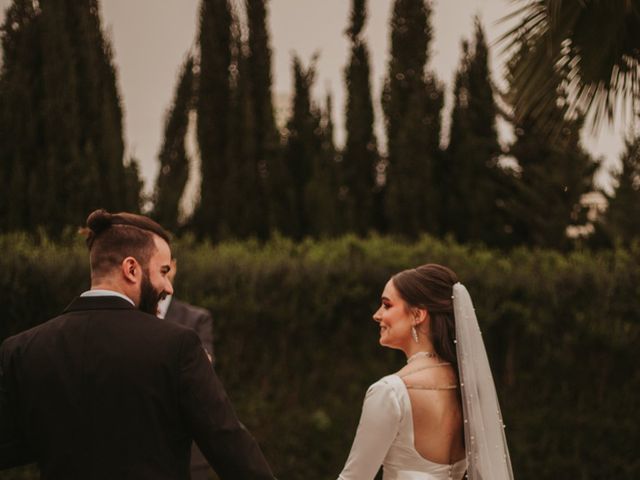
point(149, 296)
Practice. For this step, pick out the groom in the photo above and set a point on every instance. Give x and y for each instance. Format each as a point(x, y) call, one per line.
point(106, 390)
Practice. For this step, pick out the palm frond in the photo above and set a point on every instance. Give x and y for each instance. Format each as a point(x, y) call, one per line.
point(593, 44)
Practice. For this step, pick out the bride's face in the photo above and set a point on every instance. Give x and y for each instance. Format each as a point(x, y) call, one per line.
point(394, 318)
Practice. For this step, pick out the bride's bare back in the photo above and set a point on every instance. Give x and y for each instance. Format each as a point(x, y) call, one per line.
point(436, 411)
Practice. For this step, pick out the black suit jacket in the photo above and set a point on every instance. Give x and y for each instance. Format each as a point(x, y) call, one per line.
point(199, 320)
point(105, 391)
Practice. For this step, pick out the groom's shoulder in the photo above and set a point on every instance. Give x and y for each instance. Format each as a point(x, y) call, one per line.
point(16, 340)
point(123, 321)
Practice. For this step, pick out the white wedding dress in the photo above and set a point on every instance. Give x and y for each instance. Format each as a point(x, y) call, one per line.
point(385, 433)
point(385, 437)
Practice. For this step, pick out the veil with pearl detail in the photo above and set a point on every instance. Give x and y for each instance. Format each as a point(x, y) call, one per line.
point(485, 441)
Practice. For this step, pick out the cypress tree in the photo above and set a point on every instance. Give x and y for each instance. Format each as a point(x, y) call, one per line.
point(99, 99)
point(303, 146)
point(336, 212)
point(621, 220)
point(321, 193)
point(213, 109)
point(266, 138)
point(554, 174)
point(252, 127)
point(99, 107)
point(475, 178)
point(174, 161)
point(133, 185)
point(360, 155)
point(61, 113)
point(20, 90)
point(243, 198)
point(412, 100)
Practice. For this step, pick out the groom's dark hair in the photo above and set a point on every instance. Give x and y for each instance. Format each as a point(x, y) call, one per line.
point(112, 237)
point(430, 287)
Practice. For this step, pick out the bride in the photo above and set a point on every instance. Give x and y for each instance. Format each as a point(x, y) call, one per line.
point(438, 417)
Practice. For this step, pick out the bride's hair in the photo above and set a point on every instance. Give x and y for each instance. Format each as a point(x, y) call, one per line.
point(430, 287)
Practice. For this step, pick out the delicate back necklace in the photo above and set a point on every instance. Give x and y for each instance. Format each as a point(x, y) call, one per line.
point(420, 354)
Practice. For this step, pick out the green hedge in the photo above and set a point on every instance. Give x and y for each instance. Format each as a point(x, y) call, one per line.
point(296, 346)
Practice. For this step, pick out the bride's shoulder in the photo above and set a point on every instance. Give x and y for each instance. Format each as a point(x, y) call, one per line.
point(385, 395)
point(387, 380)
point(407, 369)
point(388, 384)
point(428, 373)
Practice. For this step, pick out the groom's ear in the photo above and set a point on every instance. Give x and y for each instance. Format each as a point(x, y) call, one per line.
point(131, 270)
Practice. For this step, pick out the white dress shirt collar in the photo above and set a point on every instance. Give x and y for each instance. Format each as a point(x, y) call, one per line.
point(106, 293)
point(163, 306)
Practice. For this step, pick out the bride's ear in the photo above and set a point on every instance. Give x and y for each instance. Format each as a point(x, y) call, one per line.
point(421, 317)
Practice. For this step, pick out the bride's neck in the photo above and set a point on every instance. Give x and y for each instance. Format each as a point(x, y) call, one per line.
point(423, 346)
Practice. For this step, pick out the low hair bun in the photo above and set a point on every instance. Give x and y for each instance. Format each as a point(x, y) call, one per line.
point(99, 220)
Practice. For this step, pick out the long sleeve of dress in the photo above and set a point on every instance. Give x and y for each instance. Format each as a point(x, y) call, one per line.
point(379, 423)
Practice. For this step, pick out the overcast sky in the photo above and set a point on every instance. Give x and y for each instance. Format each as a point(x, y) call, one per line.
point(151, 37)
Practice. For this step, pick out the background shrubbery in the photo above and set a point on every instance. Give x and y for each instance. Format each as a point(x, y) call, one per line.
point(296, 346)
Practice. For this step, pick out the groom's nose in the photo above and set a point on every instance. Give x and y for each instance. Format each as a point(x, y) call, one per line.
point(168, 288)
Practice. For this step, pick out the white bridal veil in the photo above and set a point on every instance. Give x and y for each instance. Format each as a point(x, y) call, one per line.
point(485, 441)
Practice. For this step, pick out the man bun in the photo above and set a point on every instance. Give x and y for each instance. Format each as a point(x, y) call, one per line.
point(99, 220)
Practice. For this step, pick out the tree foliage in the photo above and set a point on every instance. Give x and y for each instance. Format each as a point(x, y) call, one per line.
point(595, 43)
point(254, 180)
point(297, 359)
point(554, 173)
point(61, 147)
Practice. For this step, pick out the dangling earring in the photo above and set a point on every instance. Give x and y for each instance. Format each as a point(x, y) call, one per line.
point(414, 333)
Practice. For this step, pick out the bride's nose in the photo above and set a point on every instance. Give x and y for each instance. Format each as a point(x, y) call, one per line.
point(376, 316)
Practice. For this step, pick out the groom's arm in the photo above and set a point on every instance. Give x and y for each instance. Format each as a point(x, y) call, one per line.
point(225, 442)
point(13, 449)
